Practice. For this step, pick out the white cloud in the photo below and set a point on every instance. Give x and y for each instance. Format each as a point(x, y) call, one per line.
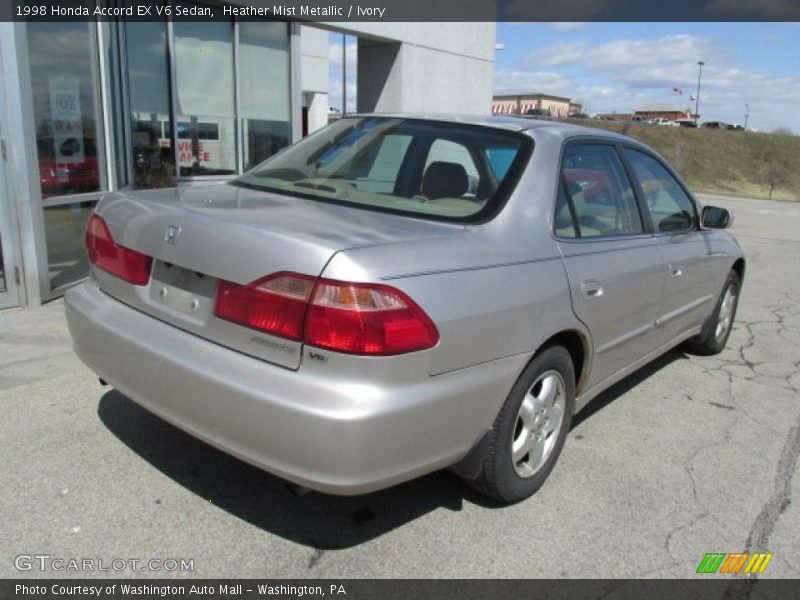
point(666, 61)
point(625, 74)
point(335, 55)
point(335, 66)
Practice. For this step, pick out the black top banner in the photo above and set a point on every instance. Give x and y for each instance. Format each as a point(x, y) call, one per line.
point(404, 10)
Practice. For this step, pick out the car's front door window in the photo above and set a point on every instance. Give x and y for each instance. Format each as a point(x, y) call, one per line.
point(671, 209)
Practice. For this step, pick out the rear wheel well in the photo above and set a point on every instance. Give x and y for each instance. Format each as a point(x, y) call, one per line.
point(738, 266)
point(577, 347)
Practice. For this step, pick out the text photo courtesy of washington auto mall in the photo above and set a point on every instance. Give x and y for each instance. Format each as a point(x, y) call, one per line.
point(383, 299)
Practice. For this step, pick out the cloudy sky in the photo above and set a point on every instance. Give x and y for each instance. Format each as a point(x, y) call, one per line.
point(624, 66)
point(619, 67)
point(335, 62)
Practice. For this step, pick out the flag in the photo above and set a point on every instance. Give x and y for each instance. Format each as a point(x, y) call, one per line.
point(677, 92)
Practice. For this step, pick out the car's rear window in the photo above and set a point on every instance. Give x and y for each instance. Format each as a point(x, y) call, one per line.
point(432, 169)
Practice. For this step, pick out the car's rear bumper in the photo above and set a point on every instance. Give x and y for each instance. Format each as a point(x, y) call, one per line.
point(324, 432)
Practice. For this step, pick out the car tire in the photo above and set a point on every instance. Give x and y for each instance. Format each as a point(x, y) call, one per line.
point(525, 441)
point(719, 324)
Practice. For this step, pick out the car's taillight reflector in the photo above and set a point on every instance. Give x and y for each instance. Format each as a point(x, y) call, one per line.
point(354, 318)
point(366, 319)
point(276, 304)
point(106, 254)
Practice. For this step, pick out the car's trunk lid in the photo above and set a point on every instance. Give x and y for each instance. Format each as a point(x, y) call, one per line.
point(199, 235)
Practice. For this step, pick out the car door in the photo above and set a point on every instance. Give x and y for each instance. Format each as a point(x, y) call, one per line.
point(613, 264)
point(691, 280)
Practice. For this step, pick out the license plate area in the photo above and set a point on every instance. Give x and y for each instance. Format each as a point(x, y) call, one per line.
point(182, 291)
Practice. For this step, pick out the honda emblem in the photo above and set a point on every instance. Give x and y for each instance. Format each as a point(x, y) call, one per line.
point(173, 231)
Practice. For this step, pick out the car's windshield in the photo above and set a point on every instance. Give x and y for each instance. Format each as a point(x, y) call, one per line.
point(434, 169)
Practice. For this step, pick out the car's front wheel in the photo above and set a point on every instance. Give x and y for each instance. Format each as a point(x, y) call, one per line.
point(529, 432)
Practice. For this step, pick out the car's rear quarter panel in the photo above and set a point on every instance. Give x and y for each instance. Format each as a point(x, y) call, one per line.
point(488, 298)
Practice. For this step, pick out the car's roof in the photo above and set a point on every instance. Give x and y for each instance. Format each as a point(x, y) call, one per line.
point(504, 122)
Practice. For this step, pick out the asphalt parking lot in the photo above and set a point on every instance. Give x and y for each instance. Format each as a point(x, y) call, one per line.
point(691, 455)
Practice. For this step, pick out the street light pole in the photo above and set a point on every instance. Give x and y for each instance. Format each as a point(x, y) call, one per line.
point(700, 64)
point(746, 114)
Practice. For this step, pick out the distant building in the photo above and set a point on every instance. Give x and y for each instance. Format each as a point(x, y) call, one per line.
point(521, 104)
point(662, 111)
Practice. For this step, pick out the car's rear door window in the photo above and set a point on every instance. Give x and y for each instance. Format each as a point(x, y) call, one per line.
point(671, 209)
point(599, 191)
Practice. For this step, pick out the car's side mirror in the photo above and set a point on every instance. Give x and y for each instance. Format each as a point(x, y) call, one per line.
point(715, 217)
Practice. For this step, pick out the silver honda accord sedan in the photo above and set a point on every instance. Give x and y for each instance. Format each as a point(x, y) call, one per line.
point(395, 295)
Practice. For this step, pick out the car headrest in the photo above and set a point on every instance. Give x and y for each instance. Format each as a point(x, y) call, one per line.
point(444, 180)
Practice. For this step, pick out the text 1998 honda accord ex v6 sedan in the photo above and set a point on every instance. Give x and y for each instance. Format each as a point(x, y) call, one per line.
point(395, 295)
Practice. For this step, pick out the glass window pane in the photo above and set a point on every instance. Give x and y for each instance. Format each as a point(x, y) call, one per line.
point(66, 105)
point(264, 85)
point(65, 225)
point(670, 207)
point(205, 89)
point(149, 91)
point(361, 161)
point(600, 192)
point(564, 223)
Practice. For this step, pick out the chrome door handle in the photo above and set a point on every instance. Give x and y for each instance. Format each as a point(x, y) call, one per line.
point(591, 289)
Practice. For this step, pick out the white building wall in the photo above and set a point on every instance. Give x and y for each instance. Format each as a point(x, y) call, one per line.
point(424, 67)
point(317, 104)
point(315, 75)
point(314, 48)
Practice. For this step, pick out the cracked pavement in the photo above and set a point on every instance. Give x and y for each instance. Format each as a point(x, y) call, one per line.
point(690, 455)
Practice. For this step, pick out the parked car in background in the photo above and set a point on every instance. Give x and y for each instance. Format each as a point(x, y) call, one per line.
point(687, 123)
point(662, 121)
point(714, 125)
point(353, 313)
point(538, 112)
point(73, 169)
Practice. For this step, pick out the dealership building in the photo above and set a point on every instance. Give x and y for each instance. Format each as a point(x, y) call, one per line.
point(92, 107)
point(522, 103)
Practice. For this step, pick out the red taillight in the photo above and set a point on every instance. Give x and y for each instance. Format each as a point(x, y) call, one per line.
point(366, 319)
point(104, 253)
point(276, 304)
point(354, 318)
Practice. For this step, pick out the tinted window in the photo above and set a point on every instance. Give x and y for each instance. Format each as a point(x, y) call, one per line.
point(600, 193)
point(500, 159)
point(264, 83)
point(204, 82)
point(149, 88)
point(453, 153)
point(426, 168)
point(64, 70)
point(564, 223)
point(670, 207)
